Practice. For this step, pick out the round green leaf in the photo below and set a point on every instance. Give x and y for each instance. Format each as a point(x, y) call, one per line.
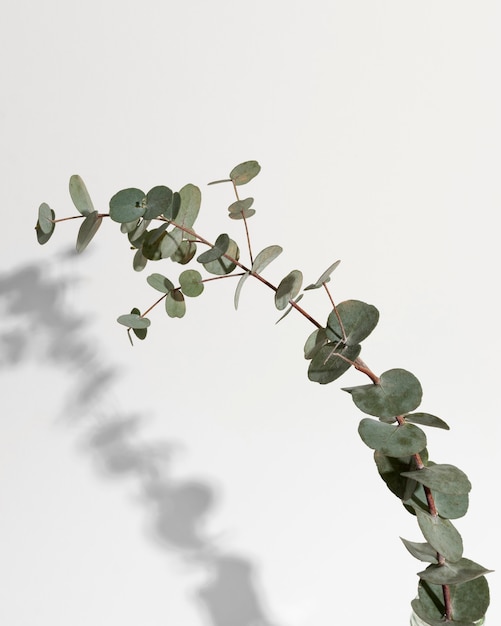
point(152, 241)
point(127, 205)
point(175, 305)
point(442, 477)
point(139, 262)
point(288, 289)
point(241, 205)
point(451, 506)
point(87, 230)
point(331, 361)
point(396, 441)
point(244, 172)
point(158, 200)
point(80, 195)
point(160, 283)
point(190, 200)
point(191, 283)
point(133, 320)
point(390, 469)
point(223, 265)
point(397, 393)
point(140, 332)
point(170, 243)
point(441, 534)
point(469, 600)
point(315, 341)
point(45, 225)
point(243, 214)
point(218, 249)
point(265, 257)
point(359, 320)
point(184, 252)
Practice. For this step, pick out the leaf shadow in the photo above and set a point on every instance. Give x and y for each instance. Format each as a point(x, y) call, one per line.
point(39, 326)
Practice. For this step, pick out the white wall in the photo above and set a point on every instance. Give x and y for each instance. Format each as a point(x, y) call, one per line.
point(199, 478)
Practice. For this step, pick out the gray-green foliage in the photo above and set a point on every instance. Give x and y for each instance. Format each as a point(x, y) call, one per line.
point(160, 225)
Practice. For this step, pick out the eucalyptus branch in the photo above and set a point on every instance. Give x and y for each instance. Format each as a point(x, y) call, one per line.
point(434, 493)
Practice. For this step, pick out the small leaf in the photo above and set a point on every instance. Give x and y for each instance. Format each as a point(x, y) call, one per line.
point(331, 361)
point(442, 477)
point(397, 393)
point(139, 262)
point(170, 243)
point(190, 201)
point(243, 215)
point(451, 506)
point(184, 252)
point(220, 247)
point(45, 224)
point(88, 229)
point(80, 195)
point(244, 172)
point(421, 551)
point(160, 283)
point(296, 300)
point(425, 419)
point(191, 283)
point(223, 265)
point(390, 469)
point(315, 341)
point(152, 241)
point(175, 305)
point(265, 257)
point(218, 182)
point(158, 200)
point(395, 441)
point(127, 205)
point(441, 534)
point(133, 320)
point(288, 289)
point(453, 573)
point(140, 332)
point(240, 284)
point(241, 205)
point(359, 320)
point(324, 278)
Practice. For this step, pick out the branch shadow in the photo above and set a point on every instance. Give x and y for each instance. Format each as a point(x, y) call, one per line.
point(40, 327)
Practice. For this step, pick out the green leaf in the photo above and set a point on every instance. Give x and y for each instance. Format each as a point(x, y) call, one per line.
point(129, 227)
point(288, 289)
point(45, 224)
point(390, 469)
point(265, 257)
point(140, 332)
point(453, 573)
point(451, 506)
point(175, 305)
point(184, 252)
point(87, 230)
point(170, 243)
point(241, 205)
point(160, 283)
point(397, 441)
point(240, 284)
point(191, 283)
point(359, 320)
point(158, 200)
point(324, 278)
point(421, 551)
point(133, 320)
point(441, 534)
point(80, 195)
point(220, 247)
point(425, 419)
point(127, 205)
point(397, 393)
point(331, 361)
point(469, 600)
point(223, 265)
point(139, 262)
point(243, 215)
point(152, 241)
point(171, 212)
point(315, 341)
point(296, 300)
point(218, 182)
point(190, 199)
point(442, 477)
point(244, 172)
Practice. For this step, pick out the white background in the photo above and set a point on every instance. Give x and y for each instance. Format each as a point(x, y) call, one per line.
point(199, 478)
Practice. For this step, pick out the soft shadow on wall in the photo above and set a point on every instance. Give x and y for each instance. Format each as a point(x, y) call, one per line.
point(177, 509)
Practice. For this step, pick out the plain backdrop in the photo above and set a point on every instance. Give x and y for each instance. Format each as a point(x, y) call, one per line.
point(198, 478)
